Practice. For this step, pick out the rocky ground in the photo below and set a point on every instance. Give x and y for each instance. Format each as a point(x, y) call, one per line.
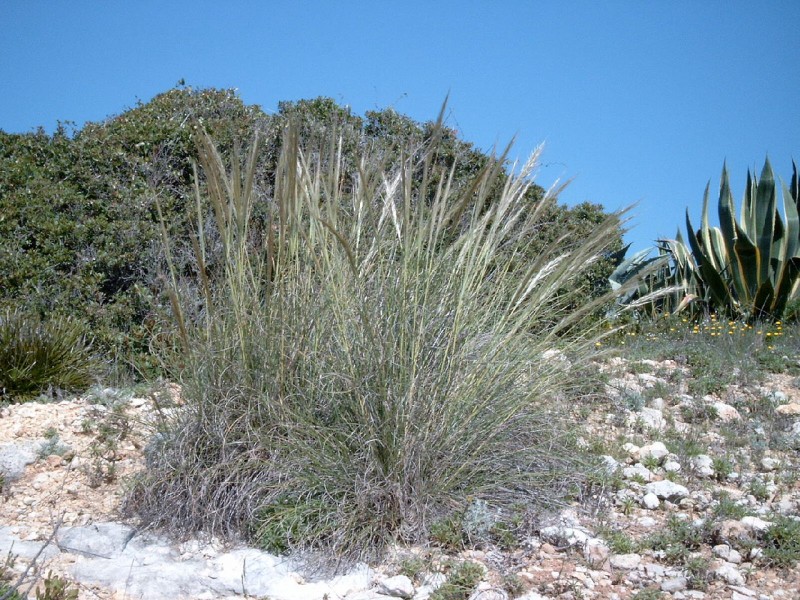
point(698, 500)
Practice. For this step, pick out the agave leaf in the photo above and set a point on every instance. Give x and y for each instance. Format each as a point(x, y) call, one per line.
point(718, 288)
point(705, 231)
point(790, 242)
point(762, 302)
point(747, 266)
point(618, 256)
point(765, 211)
point(630, 267)
point(727, 221)
point(787, 285)
point(746, 219)
point(717, 250)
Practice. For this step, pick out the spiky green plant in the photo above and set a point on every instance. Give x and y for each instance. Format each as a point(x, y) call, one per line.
point(750, 268)
point(38, 356)
point(367, 359)
point(653, 285)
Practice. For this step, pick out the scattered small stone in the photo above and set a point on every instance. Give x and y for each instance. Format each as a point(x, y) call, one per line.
point(755, 524)
point(398, 586)
point(743, 592)
point(726, 412)
point(656, 450)
point(638, 471)
point(547, 549)
point(596, 552)
point(625, 562)
point(793, 408)
point(674, 584)
point(565, 537)
point(727, 572)
point(667, 490)
point(651, 501)
point(769, 464)
point(647, 522)
point(486, 591)
point(726, 553)
point(702, 465)
point(610, 464)
point(650, 381)
point(650, 417)
point(632, 450)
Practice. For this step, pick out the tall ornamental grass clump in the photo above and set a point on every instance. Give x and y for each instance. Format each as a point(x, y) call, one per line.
point(364, 363)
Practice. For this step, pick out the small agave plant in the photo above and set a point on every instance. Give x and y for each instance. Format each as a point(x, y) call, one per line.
point(750, 268)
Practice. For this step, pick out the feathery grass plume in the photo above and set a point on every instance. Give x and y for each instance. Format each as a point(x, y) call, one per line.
point(371, 357)
point(36, 356)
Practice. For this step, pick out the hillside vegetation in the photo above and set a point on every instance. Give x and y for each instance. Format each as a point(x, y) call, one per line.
point(79, 233)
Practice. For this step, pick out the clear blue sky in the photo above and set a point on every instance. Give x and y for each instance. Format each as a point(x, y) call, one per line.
point(637, 101)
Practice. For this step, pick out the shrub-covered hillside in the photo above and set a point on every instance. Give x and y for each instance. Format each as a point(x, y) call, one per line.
point(79, 232)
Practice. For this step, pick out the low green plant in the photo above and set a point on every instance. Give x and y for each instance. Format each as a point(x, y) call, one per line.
point(109, 428)
point(697, 572)
point(698, 411)
point(37, 356)
point(502, 534)
point(647, 594)
point(288, 521)
point(628, 503)
point(758, 489)
point(513, 585)
point(376, 353)
point(52, 445)
point(618, 541)
point(651, 462)
point(461, 581)
point(56, 588)
point(727, 508)
point(413, 566)
point(448, 533)
point(723, 467)
point(9, 593)
point(678, 539)
point(8, 590)
point(781, 542)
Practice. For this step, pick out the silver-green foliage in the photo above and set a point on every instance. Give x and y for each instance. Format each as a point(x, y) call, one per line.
point(365, 360)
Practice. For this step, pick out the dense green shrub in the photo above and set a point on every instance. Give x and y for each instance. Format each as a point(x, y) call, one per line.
point(78, 231)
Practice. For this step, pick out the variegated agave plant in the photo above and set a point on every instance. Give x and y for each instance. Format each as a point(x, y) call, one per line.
point(750, 268)
point(747, 268)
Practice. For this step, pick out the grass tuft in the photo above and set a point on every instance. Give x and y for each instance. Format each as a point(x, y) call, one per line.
point(42, 357)
point(368, 360)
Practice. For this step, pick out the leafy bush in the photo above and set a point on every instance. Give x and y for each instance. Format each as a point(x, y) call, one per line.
point(370, 360)
point(78, 231)
point(36, 356)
